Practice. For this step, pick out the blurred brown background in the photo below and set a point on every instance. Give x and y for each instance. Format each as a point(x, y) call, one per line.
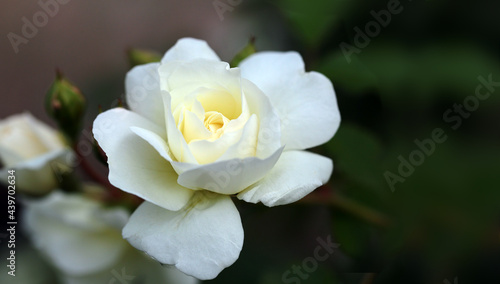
point(87, 40)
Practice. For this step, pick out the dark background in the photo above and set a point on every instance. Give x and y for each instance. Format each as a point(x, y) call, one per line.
point(440, 224)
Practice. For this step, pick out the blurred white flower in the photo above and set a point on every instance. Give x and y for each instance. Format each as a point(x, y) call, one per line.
point(82, 239)
point(34, 150)
point(199, 132)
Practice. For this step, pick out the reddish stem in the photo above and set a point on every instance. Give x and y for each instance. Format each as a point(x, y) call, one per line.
point(114, 193)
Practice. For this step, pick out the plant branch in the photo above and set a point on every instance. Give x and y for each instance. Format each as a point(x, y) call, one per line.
point(90, 171)
point(325, 195)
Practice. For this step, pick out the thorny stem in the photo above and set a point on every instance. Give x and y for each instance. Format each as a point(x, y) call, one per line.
point(325, 195)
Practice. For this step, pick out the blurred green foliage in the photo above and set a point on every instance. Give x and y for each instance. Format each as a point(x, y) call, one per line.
point(441, 70)
point(312, 21)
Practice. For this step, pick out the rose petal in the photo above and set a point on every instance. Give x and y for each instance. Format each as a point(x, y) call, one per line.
point(186, 49)
point(41, 174)
point(160, 145)
point(134, 267)
point(19, 141)
point(269, 138)
point(48, 136)
point(134, 166)
point(193, 128)
point(142, 89)
point(176, 141)
point(198, 110)
point(246, 145)
point(200, 240)
point(184, 79)
point(70, 231)
point(228, 176)
point(173, 275)
point(295, 175)
point(9, 157)
point(154, 140)
point(306, 102)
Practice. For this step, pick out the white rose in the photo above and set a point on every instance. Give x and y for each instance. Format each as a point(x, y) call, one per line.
point(82, 239)
point(34, 150)
point(199, 132)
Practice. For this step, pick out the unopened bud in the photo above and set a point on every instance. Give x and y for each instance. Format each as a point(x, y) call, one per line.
point(142, 56)
point(66, 105)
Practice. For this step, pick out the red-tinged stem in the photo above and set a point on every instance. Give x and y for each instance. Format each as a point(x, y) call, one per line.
point(90, 171)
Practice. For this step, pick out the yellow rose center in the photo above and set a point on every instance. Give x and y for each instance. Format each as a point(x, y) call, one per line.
point(215, 122)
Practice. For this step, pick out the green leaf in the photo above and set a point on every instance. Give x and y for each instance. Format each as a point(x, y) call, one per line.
point(313, 20)
point(248, 50)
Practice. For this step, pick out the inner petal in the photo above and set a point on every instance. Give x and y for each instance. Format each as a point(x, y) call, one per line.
point(215, 122)
point(193, 128)
point(219, 101)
